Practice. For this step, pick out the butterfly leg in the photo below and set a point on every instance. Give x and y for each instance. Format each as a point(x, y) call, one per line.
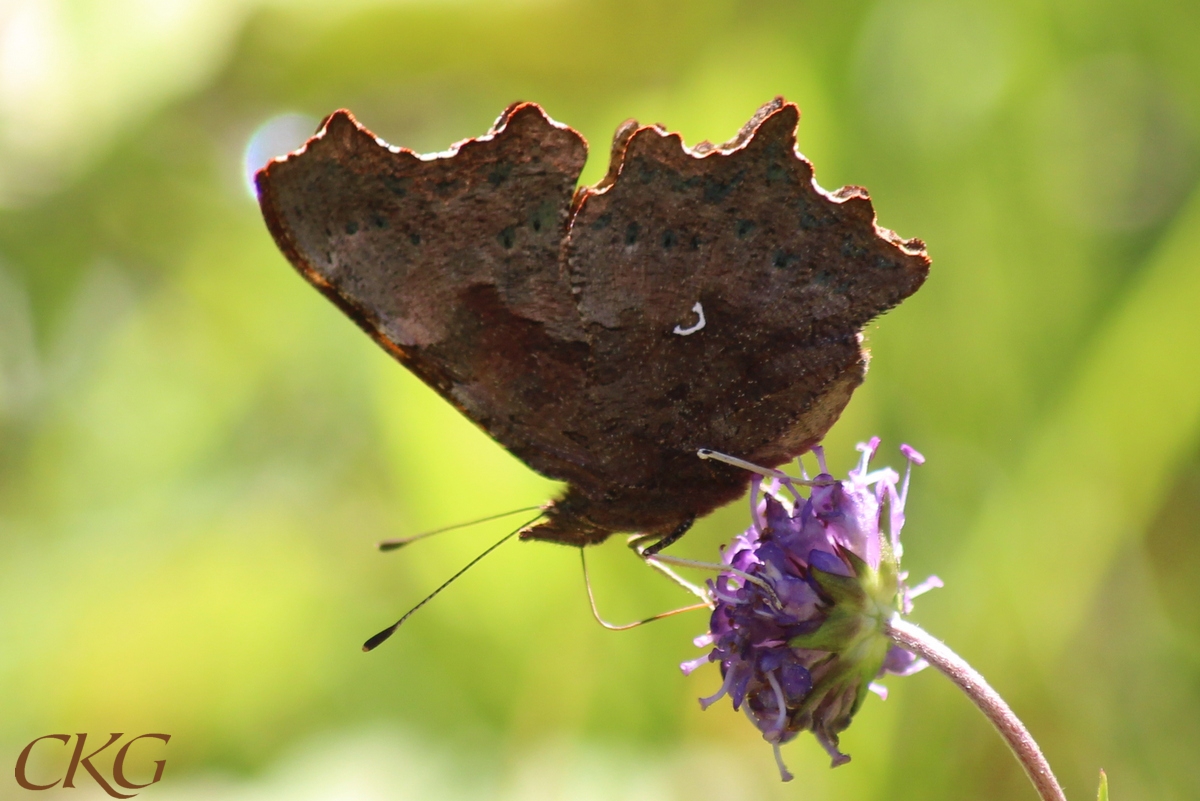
point(660, 561)
point(674, 536)
point(638, 544)
point(706, 602)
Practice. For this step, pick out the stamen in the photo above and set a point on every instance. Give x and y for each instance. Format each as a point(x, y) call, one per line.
point(792, 488)
point(904, 486)
point(830, 746)
point(781, 721)
point(883, 474)
point(887, 488)
point(912, 454)
point(784, 773)
point(913, 457)
point(867, 449)
point(819, 452)
point(721, 595)
point(769, 643)
point(873, 446)
point(755, 485)
point(705, 703)
point(931, 583)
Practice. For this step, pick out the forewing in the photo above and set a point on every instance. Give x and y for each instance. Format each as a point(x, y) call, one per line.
point(451, 263)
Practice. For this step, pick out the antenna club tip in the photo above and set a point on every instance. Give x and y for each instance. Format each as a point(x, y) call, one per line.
point(378, 639)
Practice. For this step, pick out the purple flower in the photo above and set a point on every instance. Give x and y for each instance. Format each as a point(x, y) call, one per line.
point(797, 623)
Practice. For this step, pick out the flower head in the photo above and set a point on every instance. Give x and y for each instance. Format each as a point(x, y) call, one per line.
point(799, 611)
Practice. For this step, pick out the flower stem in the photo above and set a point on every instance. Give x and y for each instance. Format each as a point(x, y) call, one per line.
point(934, 651)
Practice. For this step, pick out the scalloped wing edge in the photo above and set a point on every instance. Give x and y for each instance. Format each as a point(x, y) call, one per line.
point(627, 130)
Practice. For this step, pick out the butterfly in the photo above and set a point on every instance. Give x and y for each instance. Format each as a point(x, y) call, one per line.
point(710, 297)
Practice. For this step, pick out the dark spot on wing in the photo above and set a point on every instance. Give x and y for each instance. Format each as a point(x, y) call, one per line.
point(776, 172)
point(544, 217)
point(499, 173)
point(851, 249)
point(678, 392)
point(783, 259)
point(716, 190)
point(398, 186)
point(647, 170)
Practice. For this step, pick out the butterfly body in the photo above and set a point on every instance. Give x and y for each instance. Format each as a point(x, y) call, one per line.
point(703, 298)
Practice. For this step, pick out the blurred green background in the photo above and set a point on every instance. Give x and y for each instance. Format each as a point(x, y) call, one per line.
point(197, 451)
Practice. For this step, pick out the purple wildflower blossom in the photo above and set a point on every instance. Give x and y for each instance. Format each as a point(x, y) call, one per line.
point(797, 624)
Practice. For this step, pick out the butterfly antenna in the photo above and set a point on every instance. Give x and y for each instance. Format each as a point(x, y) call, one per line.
point(396, 544)
point(587, 582)
point(379, 638)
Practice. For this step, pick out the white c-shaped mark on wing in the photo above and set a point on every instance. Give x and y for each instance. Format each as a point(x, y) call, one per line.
point(683, 332)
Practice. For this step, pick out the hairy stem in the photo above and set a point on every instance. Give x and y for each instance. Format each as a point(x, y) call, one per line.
point(934, 651)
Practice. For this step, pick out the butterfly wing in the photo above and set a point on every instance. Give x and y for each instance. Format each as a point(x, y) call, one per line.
point(785, 275)
point(451, 263)
point(571, 333)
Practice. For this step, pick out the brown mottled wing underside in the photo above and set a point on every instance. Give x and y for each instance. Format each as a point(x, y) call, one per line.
point(571, 332)
point(786, 277)
point(450, 263)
